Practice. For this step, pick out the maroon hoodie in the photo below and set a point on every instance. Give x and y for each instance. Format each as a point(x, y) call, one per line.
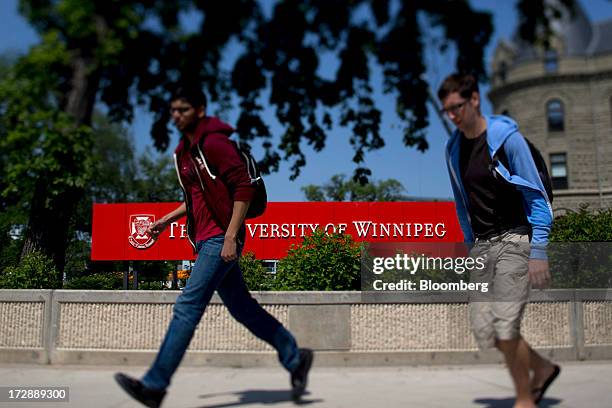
point(222, 173)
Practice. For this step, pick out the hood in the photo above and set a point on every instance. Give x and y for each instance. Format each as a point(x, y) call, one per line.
point(208, 125)
point(499, 128)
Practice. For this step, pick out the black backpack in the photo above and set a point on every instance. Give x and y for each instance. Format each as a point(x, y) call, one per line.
point(260, 199)
point(540, 163)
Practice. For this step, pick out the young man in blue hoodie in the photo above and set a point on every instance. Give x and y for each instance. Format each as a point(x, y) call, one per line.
point(504, 210)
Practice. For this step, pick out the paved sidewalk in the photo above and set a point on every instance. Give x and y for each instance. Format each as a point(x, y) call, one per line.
point(580, 385)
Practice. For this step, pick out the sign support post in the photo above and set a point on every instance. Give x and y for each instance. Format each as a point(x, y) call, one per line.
point(126, 275)
point(134, 276)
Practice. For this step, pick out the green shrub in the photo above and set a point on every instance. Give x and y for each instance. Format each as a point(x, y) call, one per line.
point(152, 285)
point(97, 281)
point(36, 271)
point(321, 262)
point(583, 226)
point(254, 273)
point(580, 252)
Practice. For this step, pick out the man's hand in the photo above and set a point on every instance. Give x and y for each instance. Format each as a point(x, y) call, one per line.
point(229, 252)
point(539, 275)
point(157, 227)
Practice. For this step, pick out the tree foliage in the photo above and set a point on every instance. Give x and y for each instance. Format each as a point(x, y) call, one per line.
point(536, 19)
point(39, 141)
point(129, 53)
point(45, 155)
point(142, 46)
point(338, 188)
point(119, 175)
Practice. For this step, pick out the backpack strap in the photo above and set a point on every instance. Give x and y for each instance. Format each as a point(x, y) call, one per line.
point(499, 158)
point(538, 161)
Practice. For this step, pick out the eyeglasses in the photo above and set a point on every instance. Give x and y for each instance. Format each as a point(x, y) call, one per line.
point(455, 109)
point(181, 110)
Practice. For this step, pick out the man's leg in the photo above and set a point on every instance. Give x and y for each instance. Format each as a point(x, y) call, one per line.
point(512, 293)
point(542, 369)
point(208, 271)
point(480, 306)
point(241, 305)
point(235, 294)
point(516, 353)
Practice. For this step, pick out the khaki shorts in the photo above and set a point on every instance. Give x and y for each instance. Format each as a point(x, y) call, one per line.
point(498, 314)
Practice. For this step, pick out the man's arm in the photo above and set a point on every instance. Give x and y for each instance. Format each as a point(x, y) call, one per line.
point(158, 226)
point(222, 155)
point(538, 210)
point(229, 251)
point(539, 213)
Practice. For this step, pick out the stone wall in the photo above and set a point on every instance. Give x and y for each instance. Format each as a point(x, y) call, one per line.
point(113, 327)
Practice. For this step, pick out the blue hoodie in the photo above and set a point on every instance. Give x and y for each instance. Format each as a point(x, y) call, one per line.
point(522, 172)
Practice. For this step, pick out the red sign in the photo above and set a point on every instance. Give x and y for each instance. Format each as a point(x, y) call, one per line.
point(119, 230)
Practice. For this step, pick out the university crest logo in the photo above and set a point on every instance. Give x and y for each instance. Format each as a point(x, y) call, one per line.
point(138, 231)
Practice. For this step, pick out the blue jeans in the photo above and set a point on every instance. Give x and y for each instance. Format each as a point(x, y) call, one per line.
point(211, 272)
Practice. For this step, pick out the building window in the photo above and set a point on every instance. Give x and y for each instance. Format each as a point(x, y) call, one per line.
point(551, 61)
point(558, 171)
point(555, 115)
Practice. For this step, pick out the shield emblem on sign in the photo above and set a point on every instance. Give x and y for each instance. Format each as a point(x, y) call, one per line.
point(138, 231)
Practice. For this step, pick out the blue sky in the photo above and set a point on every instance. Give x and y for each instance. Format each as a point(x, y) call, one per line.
point(422, 174)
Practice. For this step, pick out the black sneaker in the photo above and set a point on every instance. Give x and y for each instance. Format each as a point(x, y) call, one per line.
point(150, 398)
point(299, 376)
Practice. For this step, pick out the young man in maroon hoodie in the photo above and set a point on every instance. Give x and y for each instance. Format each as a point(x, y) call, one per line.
point(217, 192)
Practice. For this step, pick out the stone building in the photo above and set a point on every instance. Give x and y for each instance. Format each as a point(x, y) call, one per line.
point(562, 101)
